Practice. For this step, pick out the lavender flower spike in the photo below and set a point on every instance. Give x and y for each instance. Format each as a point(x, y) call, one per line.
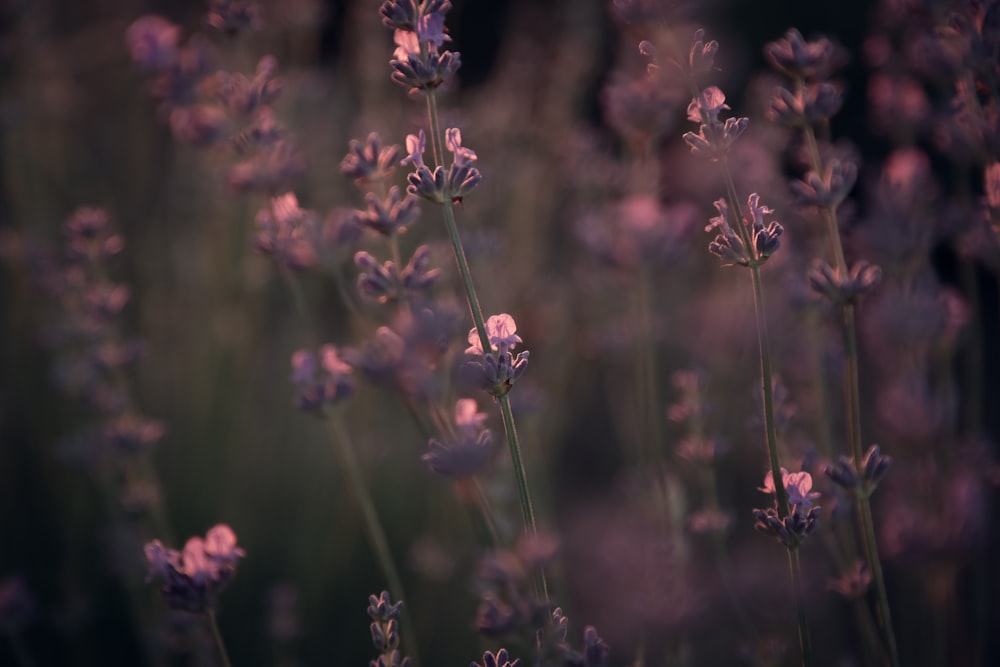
point(792, 529)
point(495, 372)
point(194, 577)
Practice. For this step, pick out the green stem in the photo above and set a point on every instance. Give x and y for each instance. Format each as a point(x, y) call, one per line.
point(217, 637)
point(795, 569)
point(524, 495)
point(767, 393)
point(344, 449)
point(527, 511)
point(852, 400)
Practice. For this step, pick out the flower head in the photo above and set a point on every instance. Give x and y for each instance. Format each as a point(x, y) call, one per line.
point(469, 450)
point(320, 379)
point(194, 577)
point(501, 331)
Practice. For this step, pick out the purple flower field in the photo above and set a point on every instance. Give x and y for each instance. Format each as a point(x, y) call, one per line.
point(272, 274)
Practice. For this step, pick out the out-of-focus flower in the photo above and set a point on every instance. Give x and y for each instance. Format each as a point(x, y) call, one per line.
point(392, 215)
point(320, 380)
point(232, 16)
point(796, 58)
point(466, 452)
point(152, 42)
point(829, 189)
point(288, 234)
point(826, 281)
point(193, 578)
point(387, 282)
point(369, 161)
point(17, 605)
point(854, 583)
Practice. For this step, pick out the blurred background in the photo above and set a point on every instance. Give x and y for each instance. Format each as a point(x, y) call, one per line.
point(589, 232)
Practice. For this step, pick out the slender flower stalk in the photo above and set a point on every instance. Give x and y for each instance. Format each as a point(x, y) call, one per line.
point(814, 99)
point(749, 243)
point(220, 645)
point(419, 65)
point(344, 449)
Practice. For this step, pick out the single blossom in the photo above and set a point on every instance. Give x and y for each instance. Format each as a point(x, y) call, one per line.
point(501, 331)
point(798, 486)
point(415, 146)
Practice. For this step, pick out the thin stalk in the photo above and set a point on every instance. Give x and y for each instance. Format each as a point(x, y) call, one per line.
point(527, 511)
point(795, 568)
point(217, 638)
point(852, 399)
point(767, 391)
point(524, 495)
point(344, 449)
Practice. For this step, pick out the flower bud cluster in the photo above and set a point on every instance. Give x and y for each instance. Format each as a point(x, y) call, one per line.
point(418, 63)
point(209, 109)
point(802, 515)
point(752, 242)
point(194, 577)
point(826, 281)
point(714, 136)
point(93, 358)
point(288, 234)
point(441, 185)
point(321, 379)
point(386, 282)
point(508, 604)
point(861, 478)
point(385, 631)
point(498, 370)
point(466, 451)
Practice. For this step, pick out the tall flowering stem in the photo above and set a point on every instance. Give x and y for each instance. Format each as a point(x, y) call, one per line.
point(749, 241)
point(813, 100)
point(465, 275)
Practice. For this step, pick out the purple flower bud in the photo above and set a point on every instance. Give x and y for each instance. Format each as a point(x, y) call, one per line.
point(400, 14)
point(701, 58)
point(194, 577)
point(288, 234)
point(152, 42)
point(233, 16)
point(369, 161)
point(393, 215)
point(826, 281)
point(829, 190)
point(853, 584)
point(798, 59)
point(320, 380)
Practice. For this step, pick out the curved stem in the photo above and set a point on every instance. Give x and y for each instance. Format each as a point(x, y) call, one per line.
point(344, 449)
point(217, 638)
point(527, 511)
